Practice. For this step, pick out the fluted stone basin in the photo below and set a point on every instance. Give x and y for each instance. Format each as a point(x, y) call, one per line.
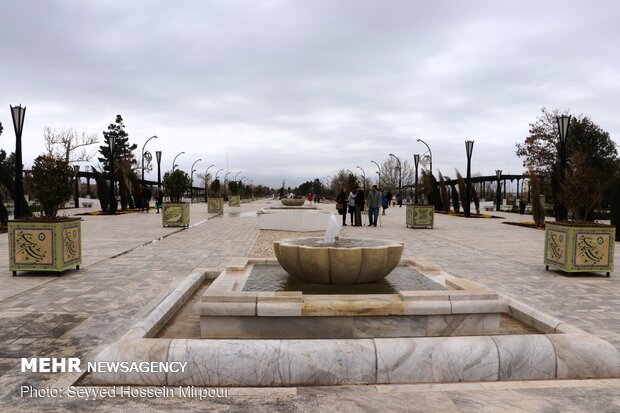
point(349, 261)
point(292, 201)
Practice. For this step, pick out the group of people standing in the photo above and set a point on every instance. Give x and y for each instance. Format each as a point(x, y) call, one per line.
point(144, 196)
point(354, 203)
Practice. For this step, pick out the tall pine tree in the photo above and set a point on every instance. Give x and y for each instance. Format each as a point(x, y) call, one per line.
point(123, 151)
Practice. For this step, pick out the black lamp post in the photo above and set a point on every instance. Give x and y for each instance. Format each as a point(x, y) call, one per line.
point(498, 197)
point(18, 113)
point(363, 177)
point(400, 174)
point(378, 173)
point(191, 187)
point(158, 157)
point(563, 127)
point(469, 148)
point(112, 183)
point(76, 169)
point(217, 173)
point(143, 154)
point(207, 182)
point(174, 165)
point(430, 155)
point(416, 161)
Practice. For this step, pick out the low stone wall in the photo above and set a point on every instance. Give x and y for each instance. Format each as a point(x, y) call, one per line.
point(365, 361)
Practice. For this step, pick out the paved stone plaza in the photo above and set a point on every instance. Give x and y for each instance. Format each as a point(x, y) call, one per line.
point(130, 263)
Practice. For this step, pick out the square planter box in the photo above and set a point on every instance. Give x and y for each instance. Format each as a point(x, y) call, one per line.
point(420, 216)
point(215, 205)
point(45, 245)
point(175, 214)
point(579, 247)
point(234, 200)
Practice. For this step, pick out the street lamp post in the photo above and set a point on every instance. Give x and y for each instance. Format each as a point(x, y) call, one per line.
point(363, 176)
point(400, 175)
point(416, 161)
point(191, 187)
point(158, 157)
point(76, 169)
point(113, 184)
point(378, 173)
point(469, 148)
point(563, 127)
point(498, 197)
point(430, 155)
point(217, 173)
point(225, 180)
point(18, 114)
point(207, 182)
point(143, 153)
point(174, 165)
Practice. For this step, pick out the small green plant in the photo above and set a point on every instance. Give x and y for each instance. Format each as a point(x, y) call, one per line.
point(51, 183)
point(176, 184)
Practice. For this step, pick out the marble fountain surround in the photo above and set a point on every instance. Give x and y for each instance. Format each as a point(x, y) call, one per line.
point(260, 327)
point(446, 352)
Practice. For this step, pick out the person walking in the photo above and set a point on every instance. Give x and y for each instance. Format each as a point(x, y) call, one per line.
point(159, 199)
point(359, 206)
point(374, 201)
point(384, 202)
point(399, 199)
point(389, 197)
point(147, 198)
point(341, 205)
point(351, 204)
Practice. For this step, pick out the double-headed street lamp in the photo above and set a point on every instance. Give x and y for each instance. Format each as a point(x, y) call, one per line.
point(498, 197)
point(416, 161)
point(563, 127)
point(174, 165)
point(18, 114)
point(191, 187)
point(469, 148)
point(144, 153)
point(400, 175)
point(430, 155)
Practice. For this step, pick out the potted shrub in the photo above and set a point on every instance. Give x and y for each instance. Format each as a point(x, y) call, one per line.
point(421, 215)
point(233, 198)
point(175, 213)
point(579, 245)
point(216, 202)
point(47, 242)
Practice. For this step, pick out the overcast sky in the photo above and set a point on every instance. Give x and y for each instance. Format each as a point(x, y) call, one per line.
point(299, 89)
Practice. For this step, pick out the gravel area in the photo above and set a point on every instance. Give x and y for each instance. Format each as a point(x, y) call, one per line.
point(263, 247)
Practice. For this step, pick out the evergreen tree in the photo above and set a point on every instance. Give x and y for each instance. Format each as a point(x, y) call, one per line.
point(123, 151)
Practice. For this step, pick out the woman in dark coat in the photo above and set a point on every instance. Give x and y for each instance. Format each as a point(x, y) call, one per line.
point(359, 206)
point(342, 200)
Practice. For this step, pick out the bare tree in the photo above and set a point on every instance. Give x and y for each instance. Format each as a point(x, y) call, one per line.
point(65, 142)
point(390, 174)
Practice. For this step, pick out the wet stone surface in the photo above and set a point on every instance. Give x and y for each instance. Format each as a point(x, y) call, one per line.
point(275, 278)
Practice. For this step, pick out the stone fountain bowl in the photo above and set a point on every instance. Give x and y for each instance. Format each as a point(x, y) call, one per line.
point(350, 261)
point(292, 201)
